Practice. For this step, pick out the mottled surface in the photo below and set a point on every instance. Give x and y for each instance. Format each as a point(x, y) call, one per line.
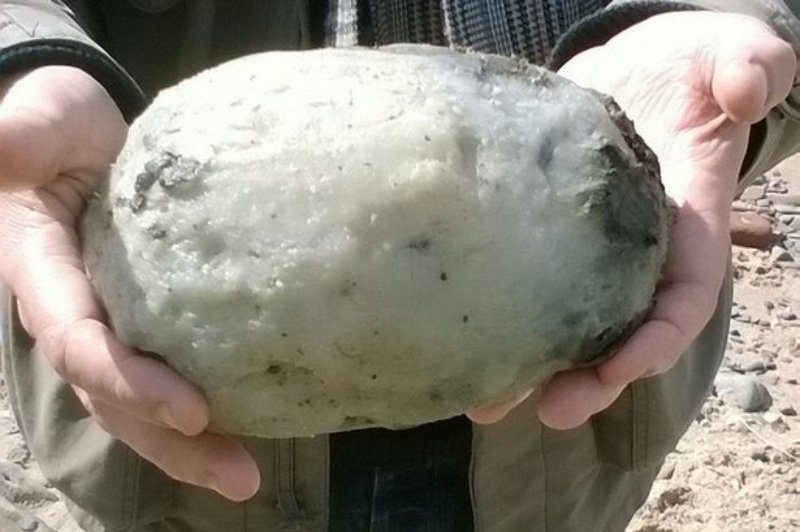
point(344, 238)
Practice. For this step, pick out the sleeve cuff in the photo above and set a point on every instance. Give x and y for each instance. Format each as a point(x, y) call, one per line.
point(598, 29)
point(121, 87)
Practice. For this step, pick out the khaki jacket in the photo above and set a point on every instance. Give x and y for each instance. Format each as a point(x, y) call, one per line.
point(524, 477)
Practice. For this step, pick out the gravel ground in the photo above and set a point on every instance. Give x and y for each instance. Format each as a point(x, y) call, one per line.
point(737, 468)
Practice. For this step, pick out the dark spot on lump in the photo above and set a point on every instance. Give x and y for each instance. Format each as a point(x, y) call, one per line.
point(464, 318)
point(347, 288)
point(374, 376)
point(144, 181)
point(178, 170)
point(420, 243)
point(156, 232)
point(443, 276)
point(273, 369)
point(137, 203)
point(284, 335)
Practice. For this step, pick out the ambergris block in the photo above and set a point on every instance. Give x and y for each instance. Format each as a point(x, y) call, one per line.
point(336, 239)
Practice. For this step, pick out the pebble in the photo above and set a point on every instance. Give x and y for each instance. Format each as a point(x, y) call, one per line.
point(788, 316)
point(751, 230)
point(788, 411)
point(753, 193)
point(741, 206)
point(792, 200)
point(758, 366)
point(750, 395)
point(789, 223)
point(673, 497)
point(760, 455)
point(666, 471)
point(780, 254)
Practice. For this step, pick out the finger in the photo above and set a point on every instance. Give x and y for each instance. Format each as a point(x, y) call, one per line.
point(753, 75)
point(207, 460)
point(572, 397)
point(62, 314)
point(494, 413)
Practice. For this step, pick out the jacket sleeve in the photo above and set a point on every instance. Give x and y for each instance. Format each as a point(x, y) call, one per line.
point(772, 140)
point(36, 33)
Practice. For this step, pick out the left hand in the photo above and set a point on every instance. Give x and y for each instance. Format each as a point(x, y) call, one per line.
point(693, 83)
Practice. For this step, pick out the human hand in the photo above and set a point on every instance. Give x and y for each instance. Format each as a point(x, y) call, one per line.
point(693, 98)
point(59, 133)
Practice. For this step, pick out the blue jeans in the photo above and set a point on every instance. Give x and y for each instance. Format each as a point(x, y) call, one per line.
point(414, 480)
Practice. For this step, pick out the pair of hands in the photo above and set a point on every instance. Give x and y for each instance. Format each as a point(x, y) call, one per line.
point(693, 99)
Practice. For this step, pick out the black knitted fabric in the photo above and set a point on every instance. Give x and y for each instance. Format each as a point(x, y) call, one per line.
point(523, 28)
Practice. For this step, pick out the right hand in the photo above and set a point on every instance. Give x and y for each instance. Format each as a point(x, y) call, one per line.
point(59, 133)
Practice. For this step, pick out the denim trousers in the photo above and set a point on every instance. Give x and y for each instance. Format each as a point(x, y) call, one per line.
point(413, 480)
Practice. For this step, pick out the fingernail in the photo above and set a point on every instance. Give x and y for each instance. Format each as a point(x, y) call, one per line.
point(164, 414)
point(240, 488)
point(190, 426)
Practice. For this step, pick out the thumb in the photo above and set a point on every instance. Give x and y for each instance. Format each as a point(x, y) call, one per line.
point(751, 76)
point(56, 120)
point(30, 149)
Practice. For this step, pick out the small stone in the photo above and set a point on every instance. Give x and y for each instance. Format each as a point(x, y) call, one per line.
point(788, 411)
point(769, 305)
point(753, 193)
point(787, 209)
point(789, 223)
point(755, 366)
point(779, 425)
point(750, 395)
point(760, 455)
point(673, 497)
point(751, 230)
point(780, 254)
point(788, 316)
point(791, 200)
point(667, 471)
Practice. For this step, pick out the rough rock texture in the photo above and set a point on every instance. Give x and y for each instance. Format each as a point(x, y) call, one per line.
point(344, 238)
